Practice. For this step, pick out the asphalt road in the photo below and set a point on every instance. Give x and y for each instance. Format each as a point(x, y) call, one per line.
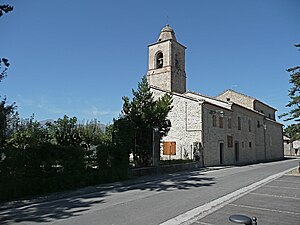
point(152, 201)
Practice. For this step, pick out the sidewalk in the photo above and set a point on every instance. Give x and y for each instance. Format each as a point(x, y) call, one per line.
point(277, 202)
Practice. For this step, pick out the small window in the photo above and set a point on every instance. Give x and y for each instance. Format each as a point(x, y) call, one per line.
point(228, 99)
point(258, 123)
point(250, 144)
point(229, 123)
point(239, 123)
point(159, 60)
point(249, 125)
point(214, 118)
point(221, 122)
point(229, 141)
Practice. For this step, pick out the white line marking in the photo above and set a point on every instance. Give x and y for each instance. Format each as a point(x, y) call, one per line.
point(285, 181)
point(197, 213)
point(281, 187)
point(266, 209)
point(276, 196)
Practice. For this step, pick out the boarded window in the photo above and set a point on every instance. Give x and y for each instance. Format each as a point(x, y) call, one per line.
point(229, 123)
point(169, 148)
point(221, 122)
point(229, 141)
point(214, 118)
point(239, 123)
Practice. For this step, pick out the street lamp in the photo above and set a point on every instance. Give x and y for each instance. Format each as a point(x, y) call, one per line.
point(265, 145)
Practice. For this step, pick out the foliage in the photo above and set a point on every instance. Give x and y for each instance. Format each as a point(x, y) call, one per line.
point(293, 130)
point(91, 133)
point(5, 9)
point(28, 133)
point(3, 61)
point(65, 131)
point(52, 167)
point(145, 114)
point(5, 64)
point(113, 152)
point(8, 119)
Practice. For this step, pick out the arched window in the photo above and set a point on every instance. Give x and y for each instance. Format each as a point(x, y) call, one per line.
point(159, 60)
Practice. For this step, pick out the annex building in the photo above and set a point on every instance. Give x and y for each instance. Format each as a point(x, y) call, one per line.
point(231, 128)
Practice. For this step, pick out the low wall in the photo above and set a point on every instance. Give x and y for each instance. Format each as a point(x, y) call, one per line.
point(137, 172)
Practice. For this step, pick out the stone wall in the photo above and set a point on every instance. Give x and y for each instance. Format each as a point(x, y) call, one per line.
point(240, 99)
point(186, 125)
point(251, 143)
point(266, 110)
point(254, 137)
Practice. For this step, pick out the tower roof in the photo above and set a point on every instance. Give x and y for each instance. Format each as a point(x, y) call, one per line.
point(167, 33)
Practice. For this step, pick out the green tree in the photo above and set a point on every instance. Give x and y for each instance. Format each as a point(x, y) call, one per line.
point(114, 149)
point(145, 114)
point(8, 119)
point(28, 133)
point(90, 133)
point(293, 131)
point(65, 131)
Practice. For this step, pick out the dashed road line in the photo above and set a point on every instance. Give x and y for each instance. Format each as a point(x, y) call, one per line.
point(198, 213)
point(292, 188)
point(276, 196)
point(265, 209)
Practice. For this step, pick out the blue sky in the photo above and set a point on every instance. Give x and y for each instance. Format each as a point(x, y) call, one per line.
point(80, 57)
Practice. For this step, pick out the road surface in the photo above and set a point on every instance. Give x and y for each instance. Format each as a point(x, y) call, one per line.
point(155, 201)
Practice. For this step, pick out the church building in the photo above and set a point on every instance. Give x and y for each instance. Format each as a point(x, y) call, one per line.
point(231, 128)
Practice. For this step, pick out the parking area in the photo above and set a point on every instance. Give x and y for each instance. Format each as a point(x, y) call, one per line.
point(277, 202)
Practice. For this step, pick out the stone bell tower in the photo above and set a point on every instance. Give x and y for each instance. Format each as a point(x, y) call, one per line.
point(166, 62)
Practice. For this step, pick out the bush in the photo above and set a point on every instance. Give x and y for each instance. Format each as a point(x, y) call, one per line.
point(52, 167)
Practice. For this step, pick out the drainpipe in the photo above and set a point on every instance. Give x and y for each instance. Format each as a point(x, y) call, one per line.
point(265, 144)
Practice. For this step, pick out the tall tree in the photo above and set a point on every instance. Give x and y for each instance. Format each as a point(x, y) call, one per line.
point(145, 113)
point(293, 131)
point(65, 131)
point(8, 119)
point(28, 133)
point(90, 133)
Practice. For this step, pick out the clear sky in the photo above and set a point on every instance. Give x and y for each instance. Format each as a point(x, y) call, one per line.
point(80, 57)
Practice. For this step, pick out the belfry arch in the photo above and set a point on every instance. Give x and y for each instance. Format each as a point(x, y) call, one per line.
point(159, 60)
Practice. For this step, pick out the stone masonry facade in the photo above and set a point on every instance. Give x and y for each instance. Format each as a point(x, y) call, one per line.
point(231, 128)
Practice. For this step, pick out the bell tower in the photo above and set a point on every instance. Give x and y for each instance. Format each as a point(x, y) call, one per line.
point(166, 62)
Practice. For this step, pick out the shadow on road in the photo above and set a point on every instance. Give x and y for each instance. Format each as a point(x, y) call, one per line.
point(74, 204)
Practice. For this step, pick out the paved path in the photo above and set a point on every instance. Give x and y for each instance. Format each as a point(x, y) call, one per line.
point(277, 202)
point(149, 201)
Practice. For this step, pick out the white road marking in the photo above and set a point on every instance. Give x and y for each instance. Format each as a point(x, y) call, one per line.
point(266, 209)
point(282, 187)
point(276, 196)
point(198, 213)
